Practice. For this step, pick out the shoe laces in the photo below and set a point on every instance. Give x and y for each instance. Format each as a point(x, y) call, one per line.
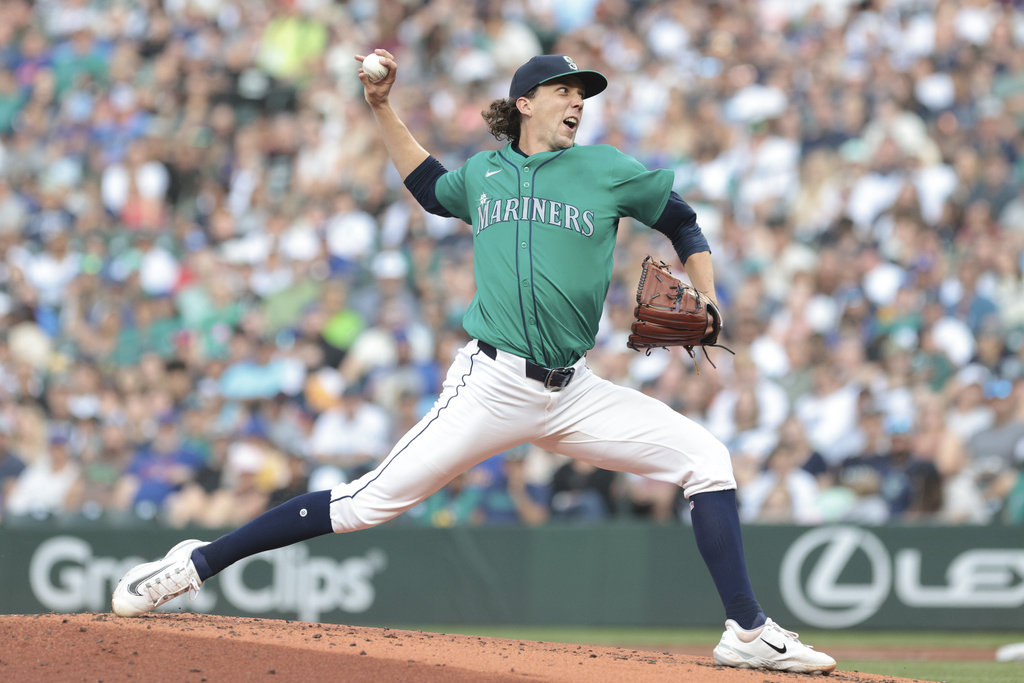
point(789, 634)
point(170, 585)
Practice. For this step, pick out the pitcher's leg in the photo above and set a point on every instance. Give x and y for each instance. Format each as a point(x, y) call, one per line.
point(299, 519)
point(479, 413)
point(622, 429)
point(455, 435)
point(716, 528)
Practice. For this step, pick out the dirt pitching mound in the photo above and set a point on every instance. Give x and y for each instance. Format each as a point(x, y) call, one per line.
point(197, 648)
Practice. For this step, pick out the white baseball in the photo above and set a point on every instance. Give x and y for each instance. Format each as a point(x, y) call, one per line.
point(373, 68)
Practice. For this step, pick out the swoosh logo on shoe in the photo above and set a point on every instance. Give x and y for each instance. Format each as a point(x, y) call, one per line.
point(133, 587)
point(490, 173)
point(780, 650)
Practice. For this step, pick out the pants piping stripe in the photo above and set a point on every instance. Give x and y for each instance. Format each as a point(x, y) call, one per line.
point(472, 363)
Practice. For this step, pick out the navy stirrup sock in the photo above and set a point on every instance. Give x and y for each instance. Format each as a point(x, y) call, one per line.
point(716, 527)
point(300, 519)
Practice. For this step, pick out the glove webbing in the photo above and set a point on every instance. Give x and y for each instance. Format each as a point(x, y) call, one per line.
point(704, 348)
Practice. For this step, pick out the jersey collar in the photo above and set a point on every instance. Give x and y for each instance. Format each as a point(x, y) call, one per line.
point(518, 156)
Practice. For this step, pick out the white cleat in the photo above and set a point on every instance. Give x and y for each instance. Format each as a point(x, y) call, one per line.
point(769, 647)
point(148, 585)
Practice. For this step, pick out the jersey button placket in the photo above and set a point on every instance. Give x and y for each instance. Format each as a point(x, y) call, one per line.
point(531, 322)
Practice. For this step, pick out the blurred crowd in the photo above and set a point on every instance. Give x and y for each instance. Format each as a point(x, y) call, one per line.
point(215, 292)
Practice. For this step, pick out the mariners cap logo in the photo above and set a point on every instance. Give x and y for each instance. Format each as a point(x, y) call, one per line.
point(543, 68)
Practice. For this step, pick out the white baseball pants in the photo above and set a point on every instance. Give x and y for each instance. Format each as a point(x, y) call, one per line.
point(488, 406)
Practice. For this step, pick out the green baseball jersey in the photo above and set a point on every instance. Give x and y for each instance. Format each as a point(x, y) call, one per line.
point(544, 229)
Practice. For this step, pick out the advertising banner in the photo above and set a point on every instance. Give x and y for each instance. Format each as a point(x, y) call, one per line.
point(829, 577)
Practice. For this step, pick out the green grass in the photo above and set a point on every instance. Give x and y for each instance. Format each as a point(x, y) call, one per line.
point(949, 671)
point(696, 636)
point(940, 670)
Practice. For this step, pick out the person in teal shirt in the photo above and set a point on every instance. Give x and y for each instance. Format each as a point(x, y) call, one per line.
point(544, 214)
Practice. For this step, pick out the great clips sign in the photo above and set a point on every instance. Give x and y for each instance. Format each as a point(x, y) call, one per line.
point(67, 574)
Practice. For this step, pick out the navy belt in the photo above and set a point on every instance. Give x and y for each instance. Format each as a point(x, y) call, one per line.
point(555, 379)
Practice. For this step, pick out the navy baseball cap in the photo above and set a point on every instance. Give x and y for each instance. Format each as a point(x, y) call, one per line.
point(543, 68)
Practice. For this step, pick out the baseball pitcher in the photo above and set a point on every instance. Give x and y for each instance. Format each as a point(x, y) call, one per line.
point(544, 213)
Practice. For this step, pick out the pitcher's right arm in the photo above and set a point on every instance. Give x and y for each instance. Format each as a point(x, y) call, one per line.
point(406, 153)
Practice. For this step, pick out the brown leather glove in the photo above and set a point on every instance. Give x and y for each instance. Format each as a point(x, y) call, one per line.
point(671, 313)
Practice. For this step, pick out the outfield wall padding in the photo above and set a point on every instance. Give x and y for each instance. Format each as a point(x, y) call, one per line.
point(827, 577)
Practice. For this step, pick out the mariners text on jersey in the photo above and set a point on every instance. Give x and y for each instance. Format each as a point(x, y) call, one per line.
point(544, 232)
point(547, 211)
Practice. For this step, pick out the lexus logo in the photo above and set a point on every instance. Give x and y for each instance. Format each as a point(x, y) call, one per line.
point(809, 579)
point(822, 601)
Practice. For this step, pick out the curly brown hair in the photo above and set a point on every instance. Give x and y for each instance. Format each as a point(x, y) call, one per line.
point(502, 118)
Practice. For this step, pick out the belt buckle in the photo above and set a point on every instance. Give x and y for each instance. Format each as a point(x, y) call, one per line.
point(559, 378)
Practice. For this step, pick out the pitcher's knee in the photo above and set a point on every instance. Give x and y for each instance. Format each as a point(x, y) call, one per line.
point(350, 515)
point(712, 471)
point(355, 507)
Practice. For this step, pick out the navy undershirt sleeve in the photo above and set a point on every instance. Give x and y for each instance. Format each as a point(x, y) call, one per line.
point(421, 184)
point(678, 222)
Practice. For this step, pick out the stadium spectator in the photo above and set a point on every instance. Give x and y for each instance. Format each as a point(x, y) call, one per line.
point(582, 493)
point(94, 495)
point(176, 178)
point(910, 486)
point(44, 488)
point(158, 469)
point(11, 467)
point(350, 437)
point(783, 492)
point(995, 453)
